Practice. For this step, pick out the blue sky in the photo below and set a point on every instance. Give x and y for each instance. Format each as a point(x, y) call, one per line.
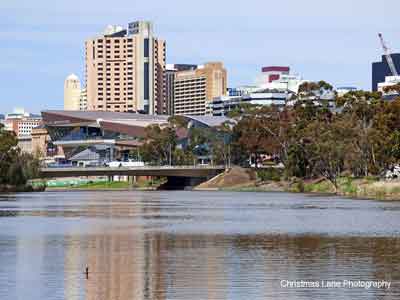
point(42, 41)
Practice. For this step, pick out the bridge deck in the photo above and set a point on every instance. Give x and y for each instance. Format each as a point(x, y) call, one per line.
point(164, 171)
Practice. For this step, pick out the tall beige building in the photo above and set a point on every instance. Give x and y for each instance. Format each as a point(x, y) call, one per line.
point(125, 70)
point(72, 93)
point(194, 89)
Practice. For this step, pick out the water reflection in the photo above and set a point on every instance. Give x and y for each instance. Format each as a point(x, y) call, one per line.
point(209, 246)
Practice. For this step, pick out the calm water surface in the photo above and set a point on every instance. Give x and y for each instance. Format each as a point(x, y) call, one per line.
point(194, 245)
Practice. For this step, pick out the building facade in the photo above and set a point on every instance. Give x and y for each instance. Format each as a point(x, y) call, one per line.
point(195, 89)
point(125, 70)
point(83, 100)
point(110, 134)
point(380, 70)
point(21, 122)
point(72, 93)
point(170, 83)
point(221, 106)
point(278, 78)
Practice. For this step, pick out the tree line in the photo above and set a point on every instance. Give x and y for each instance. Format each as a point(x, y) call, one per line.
point(360, 137)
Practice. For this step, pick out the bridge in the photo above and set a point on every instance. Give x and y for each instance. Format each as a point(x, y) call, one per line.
point(162, 171)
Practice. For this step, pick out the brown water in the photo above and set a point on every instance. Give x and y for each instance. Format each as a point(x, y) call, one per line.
point(194, 245)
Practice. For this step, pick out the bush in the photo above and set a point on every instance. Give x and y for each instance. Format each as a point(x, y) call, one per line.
point(269, 174)
point(297, 185)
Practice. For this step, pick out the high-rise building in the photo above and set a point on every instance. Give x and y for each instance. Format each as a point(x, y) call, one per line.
point(170, 83)
point(380, 70)
point(195, 89)
point(72, 93)
point(125, 70)
point(83, 100)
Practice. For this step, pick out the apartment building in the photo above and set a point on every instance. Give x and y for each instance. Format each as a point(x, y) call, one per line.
point(195, 89)
point(171, 70)
point(125, 70)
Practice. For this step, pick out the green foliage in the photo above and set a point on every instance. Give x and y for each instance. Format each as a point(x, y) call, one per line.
point(159, 146)
point(16, 168)
point(297, 186)
point(273, 174)
point(297, 162)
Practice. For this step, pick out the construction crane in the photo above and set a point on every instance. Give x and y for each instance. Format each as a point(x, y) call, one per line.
point(388, 55)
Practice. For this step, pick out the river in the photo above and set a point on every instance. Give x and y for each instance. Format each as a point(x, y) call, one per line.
point(195, 245)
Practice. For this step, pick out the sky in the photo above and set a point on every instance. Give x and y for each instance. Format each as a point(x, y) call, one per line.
point(42, 41)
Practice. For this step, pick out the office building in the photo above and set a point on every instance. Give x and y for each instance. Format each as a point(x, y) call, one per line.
point(72, 93)
point(195, 89)
point(21, 122)
point(380, 70)
point(170, 72)
point(125, 70)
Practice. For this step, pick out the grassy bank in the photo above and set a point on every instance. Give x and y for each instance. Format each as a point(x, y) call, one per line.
point(366, 188)
point(107, 185)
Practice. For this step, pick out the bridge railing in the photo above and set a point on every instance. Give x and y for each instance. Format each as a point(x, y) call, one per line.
point(166, 167)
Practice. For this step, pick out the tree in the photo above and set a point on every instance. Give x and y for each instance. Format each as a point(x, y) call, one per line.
point(264, 130)
point(16, 168)
point(159, 145)
point(392, 88)
point(327, 148)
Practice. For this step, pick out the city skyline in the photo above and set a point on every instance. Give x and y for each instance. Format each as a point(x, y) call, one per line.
point(336, 42)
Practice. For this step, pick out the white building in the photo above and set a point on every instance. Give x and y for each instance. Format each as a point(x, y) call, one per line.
point(343, 90)
point(72, 93)
point(221, 106)
point(279, 78)
point(389, 81)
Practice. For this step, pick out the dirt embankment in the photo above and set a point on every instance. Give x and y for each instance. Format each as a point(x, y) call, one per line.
point(235, 177)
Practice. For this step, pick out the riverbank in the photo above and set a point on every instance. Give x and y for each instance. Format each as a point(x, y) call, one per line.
point(21, 188)
point(243, 180)
point(107, 186)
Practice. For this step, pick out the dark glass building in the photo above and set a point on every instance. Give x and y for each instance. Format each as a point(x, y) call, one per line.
point(381, 69)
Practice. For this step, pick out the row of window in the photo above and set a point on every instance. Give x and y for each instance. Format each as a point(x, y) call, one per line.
point(115, 69)
point(108, 41)
point(117, 63)
point(117, 89)
point(115, 57)
point(115, 100)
